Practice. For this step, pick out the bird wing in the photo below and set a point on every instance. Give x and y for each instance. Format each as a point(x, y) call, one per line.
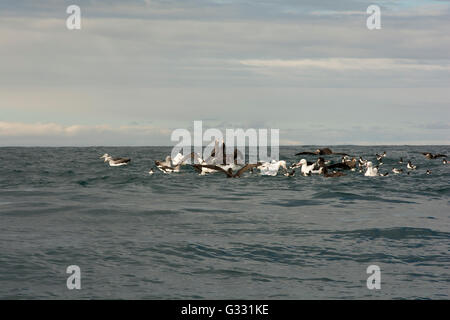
point(305, 152)
point(326, 151)
point(245, 168)
point(197, 167)
point(214, 167)
point(237, 154)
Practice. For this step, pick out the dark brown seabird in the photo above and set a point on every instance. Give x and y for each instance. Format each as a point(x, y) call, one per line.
point(429, 155)
point(324, 151)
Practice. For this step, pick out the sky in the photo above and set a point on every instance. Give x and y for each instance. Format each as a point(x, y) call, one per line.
point(137, 70)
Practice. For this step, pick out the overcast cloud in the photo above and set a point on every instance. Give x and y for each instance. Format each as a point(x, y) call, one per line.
point(139, 69)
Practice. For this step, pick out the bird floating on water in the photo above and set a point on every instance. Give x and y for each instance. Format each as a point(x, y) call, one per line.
point(371, 170)
point(115, 162)
point(429, 155)
point(411, 166)
point(229, 173)
point(271, 168)
point(324, 171)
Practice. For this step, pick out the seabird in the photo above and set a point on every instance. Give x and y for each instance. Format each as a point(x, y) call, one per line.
point(397, 171)
point(228, 172)
point(428, 171)
point(290, 174)
point(168, 170)
point(371, 171)
point(444, 161)
point(379, 157)
point(151, 171)
point(169, 165)
point(309, 163)
point(305, 168)
point(165, 163)
point(350, 163)
point(361, 164)
point(324, 171)
point(271, 168)
point(410, 166)
point(429, 155)
point(324, 151)
point(115, 162)
point(400, 161)
point(221, 157)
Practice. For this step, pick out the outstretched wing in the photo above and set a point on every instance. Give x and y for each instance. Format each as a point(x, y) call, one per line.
point(440, 155)
point(213, 167)
point(247, 167)
point(237, 154)
point(305, 152)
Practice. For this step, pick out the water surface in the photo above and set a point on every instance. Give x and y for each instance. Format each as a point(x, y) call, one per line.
point(137, 236)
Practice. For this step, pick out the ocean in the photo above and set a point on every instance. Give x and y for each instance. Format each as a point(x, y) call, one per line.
point(185, 236)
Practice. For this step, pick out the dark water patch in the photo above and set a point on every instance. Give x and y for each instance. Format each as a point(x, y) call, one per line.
point(209, 210)
point(395, 233)
point(293, 203)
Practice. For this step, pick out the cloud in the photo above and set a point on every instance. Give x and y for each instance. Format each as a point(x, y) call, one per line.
point(342, 64)
point(17, 129)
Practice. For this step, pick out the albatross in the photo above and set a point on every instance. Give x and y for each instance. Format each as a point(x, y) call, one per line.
point(115, 162)
point(170, 165)
point(324, 151)
point(429, 155)
point(271, 168)
point(371, 171)
point(410, 166)
point(229, 172)
point(324, 171)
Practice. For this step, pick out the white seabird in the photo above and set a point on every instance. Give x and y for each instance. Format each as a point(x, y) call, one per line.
point(115, 162)
point(305, 169)
point(170, 165)
point(410, 166)
point(271, 168)
point(371, 171)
